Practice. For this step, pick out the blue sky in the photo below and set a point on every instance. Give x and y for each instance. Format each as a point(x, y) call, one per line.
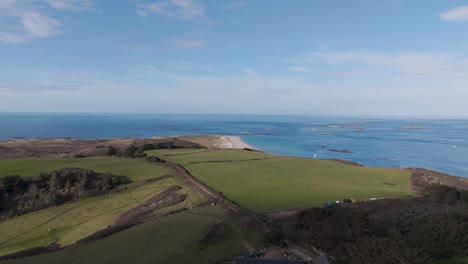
point(382, 58)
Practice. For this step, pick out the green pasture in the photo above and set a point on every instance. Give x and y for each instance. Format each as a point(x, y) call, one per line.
point(285, 183)
point(79, 219)
point(215, 155)
point(135, 169)
point(171, 239)
point(170, 152)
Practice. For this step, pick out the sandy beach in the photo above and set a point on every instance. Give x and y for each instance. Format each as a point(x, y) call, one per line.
point(232, 142)
point(215, 141)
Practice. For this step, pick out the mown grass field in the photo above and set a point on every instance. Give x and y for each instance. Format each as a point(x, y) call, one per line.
point(277, 183)
point(79, 219)
point(171, 239)
point(170, 152)
point(135, 169)
point(214, 155)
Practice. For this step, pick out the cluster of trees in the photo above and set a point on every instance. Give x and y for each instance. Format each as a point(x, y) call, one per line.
point(23, 195)
point(411, 230)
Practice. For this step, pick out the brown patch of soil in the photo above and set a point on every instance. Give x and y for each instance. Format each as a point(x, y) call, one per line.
point(142, 212)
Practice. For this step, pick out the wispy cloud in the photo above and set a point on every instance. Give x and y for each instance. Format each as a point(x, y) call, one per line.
point(183, 9)
point(39, 26)
point(40, 85)
point(235, 4)
point(427, 65)
point(299, 69)
point(222, 94)
point(185, 43)
point(27, 22)
point(459, 14)
point(71, 4)
point(249, 72)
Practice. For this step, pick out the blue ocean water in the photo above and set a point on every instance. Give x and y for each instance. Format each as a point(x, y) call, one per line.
point(434, 144)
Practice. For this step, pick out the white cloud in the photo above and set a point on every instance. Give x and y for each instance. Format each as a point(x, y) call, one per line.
point(40, 84)
point(27, 22)
point(40, 26)
point(183, 9)
point(458, 14)
point(235, 4)
point(71, 4)
point(416, 65)
point(185, 43)
point(249, 72)
point(299, 69)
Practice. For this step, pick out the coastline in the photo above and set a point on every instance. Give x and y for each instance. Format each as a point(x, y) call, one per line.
point(232, 142)
point(215, 141)
point(71, 147)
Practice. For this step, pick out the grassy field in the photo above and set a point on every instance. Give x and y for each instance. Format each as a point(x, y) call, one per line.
point(172, 239)
point(277, 184)
point(259, 181)
point(283, 183)
point(76, 220)
point(136, 169)
point(215, 155)
point(170, 152)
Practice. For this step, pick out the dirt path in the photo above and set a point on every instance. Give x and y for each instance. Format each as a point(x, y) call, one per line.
point(231, 209)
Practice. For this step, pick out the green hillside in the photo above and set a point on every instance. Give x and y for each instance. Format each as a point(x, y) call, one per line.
point(172, 239)
point(136, 169)
point(264, 182)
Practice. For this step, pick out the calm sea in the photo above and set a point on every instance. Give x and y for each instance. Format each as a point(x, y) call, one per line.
point(434, 144)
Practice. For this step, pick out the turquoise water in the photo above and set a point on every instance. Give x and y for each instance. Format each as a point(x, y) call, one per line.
point(434, 144)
